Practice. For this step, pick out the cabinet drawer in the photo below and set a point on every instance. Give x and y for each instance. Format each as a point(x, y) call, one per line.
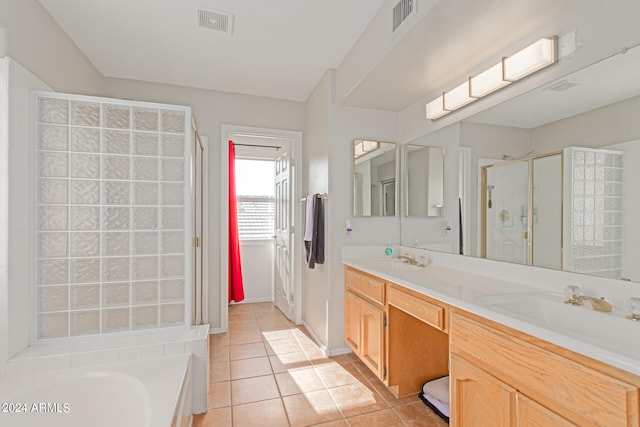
point(586, 395)
point(364, 284)
point(418, 307)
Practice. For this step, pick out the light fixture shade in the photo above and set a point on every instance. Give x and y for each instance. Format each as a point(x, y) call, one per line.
point(486, 82)
point(435, 109)
point(530, 59)
point(457, 97)
point(368, 146)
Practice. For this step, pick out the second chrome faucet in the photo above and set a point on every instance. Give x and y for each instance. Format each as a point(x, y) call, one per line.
point(575, 297)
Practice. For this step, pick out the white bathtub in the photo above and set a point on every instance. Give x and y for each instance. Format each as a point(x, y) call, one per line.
point(146, 393)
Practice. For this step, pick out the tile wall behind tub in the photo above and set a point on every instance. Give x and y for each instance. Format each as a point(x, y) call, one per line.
point(4, 183)
point(111, 216)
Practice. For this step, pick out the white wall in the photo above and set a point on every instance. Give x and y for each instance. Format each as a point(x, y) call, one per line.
point(212, 109)
point(4, 207)
point(315, 167)
point(604, 126)
point(20, 174)
point(257, 269)
point(31, 36)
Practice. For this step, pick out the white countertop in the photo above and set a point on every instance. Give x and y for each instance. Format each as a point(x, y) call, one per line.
point(537, 311)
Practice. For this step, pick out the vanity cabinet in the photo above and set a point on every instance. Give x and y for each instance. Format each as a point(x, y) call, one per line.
point(417, 340)
point(365, 318)
point(500, 376)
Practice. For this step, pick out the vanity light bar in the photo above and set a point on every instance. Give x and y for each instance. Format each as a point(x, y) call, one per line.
point(532, 58)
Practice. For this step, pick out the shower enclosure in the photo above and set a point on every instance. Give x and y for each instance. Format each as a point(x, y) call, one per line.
point(113, 216)
point(521, 211)
point(561, 210)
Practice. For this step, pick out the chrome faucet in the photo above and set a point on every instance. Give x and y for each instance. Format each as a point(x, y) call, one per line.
point(575, 297)
point(410, 260)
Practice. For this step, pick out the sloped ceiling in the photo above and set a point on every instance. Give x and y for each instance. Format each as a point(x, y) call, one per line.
point(278, 48)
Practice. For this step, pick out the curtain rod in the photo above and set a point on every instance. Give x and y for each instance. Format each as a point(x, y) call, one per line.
point(256, 145)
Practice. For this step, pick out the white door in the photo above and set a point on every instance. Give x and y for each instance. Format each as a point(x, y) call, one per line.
point(283, 266)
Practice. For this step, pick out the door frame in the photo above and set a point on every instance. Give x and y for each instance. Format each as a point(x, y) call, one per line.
point(296, 163)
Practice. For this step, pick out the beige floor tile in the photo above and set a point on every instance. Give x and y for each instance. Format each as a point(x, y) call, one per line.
point(344, 358)
point(356, 399)
point(289, 345)
point(311, 408)
point(289, 362)
point(265, 413)
point(245, 337)
point(216, 340)
point(247, 351)
point(282, 334)
point(240, 308)
point(219, 354)
point(219, 395)
point(253, 389)
point(350, 367)
point(386, 418)
point(219, 372)
point(418, 415)
point(318, 358)
point(336, 423)
point(264, 306)
point(299, 381)
point(364, 369)
point(390, 397)
point(220, 417)
point(335, 375)
point(245, 368)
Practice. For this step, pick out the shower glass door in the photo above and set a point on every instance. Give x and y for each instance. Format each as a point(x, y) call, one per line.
point(505, 201)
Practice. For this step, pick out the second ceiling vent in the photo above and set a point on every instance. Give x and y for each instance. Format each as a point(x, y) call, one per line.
point(401, 11)
point(215, 20)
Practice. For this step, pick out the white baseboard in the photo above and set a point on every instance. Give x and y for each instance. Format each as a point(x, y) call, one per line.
point(338, 351)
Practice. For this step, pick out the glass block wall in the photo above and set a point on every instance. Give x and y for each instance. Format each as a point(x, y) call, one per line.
point(594, 208)
point(112, 211)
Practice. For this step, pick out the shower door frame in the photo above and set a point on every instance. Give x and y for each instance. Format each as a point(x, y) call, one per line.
point(529, 231)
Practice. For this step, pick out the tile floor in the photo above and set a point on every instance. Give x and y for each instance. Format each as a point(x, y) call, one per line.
point(268, 372)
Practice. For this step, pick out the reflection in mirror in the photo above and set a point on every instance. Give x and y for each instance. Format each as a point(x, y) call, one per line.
point(374, 178)
point(591, 117)
point(521, 211)
point(423, 179)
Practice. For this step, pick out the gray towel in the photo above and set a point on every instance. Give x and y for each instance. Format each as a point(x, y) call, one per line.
point(315, 248)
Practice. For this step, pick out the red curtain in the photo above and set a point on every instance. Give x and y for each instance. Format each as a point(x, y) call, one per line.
point(236, 290)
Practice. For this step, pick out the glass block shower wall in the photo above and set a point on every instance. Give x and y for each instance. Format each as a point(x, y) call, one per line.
point(112, 216)
point(593, 206)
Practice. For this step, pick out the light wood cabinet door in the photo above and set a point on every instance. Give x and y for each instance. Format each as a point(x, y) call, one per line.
point(352, 321)
point(371, 345)
point(479, 399)
point(532, 414)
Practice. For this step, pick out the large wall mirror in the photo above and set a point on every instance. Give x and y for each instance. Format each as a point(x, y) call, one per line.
point(374, 178)
point(423, 181)
point(551, 174)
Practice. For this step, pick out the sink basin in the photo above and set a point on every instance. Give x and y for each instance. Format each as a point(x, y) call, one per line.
point(396, 264)
point(550, 311)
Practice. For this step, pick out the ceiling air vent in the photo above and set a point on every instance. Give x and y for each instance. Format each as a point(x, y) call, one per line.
point(401, 11)
point(215, 20)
